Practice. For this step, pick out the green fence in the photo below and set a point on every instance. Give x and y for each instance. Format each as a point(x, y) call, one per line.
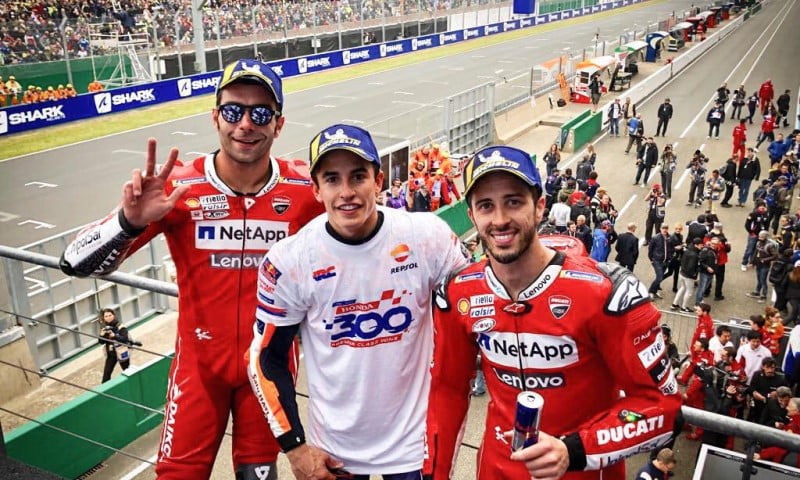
point(550, 6)
point(91, 415)
point(565, 128)
point(585, 130)
point(45, 74)
point(455, 215)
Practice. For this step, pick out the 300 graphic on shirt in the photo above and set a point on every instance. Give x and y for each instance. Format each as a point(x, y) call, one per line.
point(368, 325)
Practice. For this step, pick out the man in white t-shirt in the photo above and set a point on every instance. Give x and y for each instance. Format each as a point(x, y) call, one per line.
point(357, 282)
point(753, 354)
point(718, 343)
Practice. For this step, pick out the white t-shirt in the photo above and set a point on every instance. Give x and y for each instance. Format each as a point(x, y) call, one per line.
point(365, 319)
point(752, 359)
point(715, 346)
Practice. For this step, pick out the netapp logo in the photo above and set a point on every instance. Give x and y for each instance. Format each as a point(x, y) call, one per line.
point(530, 350)
point(256, 235)
point(350, 55)
point(236, 261)
point(103, 102)
point(470, 33)
point(186, 85)
point(445, 38)
point(489, 29)
point(48, 114)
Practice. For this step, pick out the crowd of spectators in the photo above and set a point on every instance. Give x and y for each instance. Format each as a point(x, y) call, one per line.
point(30, 32)
point(431, 182)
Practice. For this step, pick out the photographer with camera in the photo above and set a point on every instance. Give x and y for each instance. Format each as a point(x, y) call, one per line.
point(115, 340)
point(725, 392)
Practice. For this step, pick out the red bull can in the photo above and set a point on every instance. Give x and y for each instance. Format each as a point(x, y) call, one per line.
point(527, 419)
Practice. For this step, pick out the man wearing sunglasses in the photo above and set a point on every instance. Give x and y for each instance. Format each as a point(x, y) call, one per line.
point(357, 282)
point(220, 214)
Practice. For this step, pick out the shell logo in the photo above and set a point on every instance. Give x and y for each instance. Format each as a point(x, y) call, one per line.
point(192, 202)
point(400, 253)
point(463, 306)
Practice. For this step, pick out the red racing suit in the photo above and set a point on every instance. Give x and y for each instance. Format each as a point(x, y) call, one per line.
point(703, 329)
point(579, 334)
point(217, 239)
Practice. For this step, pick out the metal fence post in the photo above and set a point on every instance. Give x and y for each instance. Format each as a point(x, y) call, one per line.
point(178, 44)
point(18, 295)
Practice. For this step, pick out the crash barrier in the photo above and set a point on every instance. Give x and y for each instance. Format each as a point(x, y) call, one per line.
point(22, 118)
point(56, 441)
point(584, 131)
point(565, 128)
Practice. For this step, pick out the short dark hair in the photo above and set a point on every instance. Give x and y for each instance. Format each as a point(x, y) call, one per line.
point(704, 307)
point(703, 343)
point(758, 320)
point(753, 335)
point(769, 362)
point(722, 329)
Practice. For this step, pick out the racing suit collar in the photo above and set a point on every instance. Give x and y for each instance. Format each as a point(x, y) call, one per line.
point(213, 178)
point(536, 287)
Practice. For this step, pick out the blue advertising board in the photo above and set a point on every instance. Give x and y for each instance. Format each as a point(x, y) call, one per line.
point(20, 118)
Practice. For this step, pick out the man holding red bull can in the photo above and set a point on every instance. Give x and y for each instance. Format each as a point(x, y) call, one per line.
point(554, 330)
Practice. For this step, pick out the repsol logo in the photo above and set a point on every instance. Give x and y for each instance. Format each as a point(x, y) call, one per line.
point(533, 381)
point(629, 430)
point(529, 350)
point(47, 114)
point(471, 33)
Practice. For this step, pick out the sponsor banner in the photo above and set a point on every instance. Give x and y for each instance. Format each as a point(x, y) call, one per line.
point(428, 41)
point(510, 25)
point(541, 352)
point(391, 49)
point(20, 118)
point(358, 55)
point(447, 38)
point(470, 33)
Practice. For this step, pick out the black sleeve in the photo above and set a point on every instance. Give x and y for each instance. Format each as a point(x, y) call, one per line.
point(122, 336)
point(274, 363)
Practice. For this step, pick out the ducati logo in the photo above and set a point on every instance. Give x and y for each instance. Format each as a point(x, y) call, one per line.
point(559, 305)
point(517, 308)
point(281, 204)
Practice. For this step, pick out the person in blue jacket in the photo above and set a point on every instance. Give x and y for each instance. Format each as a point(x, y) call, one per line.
point(601, 246)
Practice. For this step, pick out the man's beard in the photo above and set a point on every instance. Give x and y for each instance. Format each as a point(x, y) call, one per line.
point(526, 237)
